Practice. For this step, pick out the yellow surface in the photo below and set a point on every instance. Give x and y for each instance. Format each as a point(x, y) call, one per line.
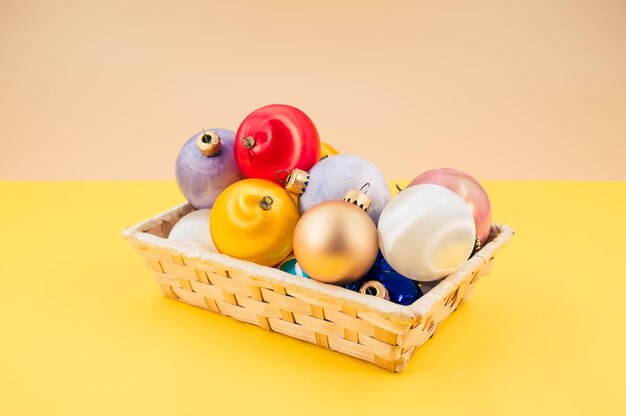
point(84, 329)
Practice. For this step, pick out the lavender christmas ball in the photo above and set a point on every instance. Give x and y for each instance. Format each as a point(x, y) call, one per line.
point(206, 166)
point(332, 177)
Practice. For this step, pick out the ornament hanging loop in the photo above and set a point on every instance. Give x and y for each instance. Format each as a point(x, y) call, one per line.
point(359, 199)
point(209, 143)
point(282, 180)
point(366, 187)
point(266, 202)
point(248, 142)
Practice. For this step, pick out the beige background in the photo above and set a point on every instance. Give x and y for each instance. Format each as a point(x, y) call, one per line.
point(502, 89)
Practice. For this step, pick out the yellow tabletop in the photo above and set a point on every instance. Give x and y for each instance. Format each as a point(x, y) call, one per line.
point(85, 330)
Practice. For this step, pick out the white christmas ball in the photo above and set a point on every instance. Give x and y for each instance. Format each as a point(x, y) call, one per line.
point(426, 232)
point(194, 228)
point(332, 177)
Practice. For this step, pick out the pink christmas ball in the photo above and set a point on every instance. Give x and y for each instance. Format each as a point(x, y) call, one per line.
point(468, 188)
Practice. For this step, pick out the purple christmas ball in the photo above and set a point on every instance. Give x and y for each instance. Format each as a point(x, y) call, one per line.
point(332, 177)
point(206, 166)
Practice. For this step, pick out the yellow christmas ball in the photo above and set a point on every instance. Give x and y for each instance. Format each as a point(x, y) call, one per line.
point(327, 150)
point(254, 220)
point(335, 242)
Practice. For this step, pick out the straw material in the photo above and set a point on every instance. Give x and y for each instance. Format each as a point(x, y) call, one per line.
point(366, 327)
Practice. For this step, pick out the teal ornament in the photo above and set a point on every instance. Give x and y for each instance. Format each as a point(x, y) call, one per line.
point(291, 266)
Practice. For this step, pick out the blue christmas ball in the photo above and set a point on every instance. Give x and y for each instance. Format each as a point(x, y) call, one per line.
point(291, 266)
point(400, 290)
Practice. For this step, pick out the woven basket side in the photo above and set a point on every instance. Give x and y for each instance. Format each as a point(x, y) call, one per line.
point(365, 327)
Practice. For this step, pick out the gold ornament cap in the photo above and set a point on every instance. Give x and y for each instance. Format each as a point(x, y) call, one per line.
point(374, 288)
point(209, 143)
point(297, 182)
point(359, 198)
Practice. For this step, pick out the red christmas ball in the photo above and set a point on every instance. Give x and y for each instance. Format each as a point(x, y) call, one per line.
point(274, 138)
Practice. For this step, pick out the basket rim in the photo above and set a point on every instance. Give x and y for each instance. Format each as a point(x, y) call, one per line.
point(139, 237)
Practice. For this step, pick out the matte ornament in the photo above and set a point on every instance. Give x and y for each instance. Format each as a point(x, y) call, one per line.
point(206, 166)
point(194, 228)
point(254, 220)
point(468, 188)
point(291, 266)
point(426, 232)
point(335, 242)
point(333, 177)
point(274, 138)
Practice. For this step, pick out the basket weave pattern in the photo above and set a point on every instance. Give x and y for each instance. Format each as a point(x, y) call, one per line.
point(362, 326)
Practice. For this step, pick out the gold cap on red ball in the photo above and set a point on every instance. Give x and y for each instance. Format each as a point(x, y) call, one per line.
point(297, 181)
point(209, 143)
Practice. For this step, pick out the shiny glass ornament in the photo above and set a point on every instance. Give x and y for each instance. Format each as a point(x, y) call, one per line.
point(327, 150)
point(331, 178)
point(426, 232)
point(254, 220)
point(468, 188)
point(399, 289)
point(335, 242)
point(194, 228)
point(206, 166)
point(276, 137)
point(291, 266)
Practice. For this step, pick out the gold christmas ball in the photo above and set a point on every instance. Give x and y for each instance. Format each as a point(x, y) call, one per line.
point(335, 242)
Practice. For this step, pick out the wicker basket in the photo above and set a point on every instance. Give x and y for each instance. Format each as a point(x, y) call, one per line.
point(362, 326)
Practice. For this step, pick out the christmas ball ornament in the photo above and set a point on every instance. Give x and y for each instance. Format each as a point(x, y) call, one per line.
point(254, 220)
point(291, 266)
point(331, 178)
point(206, 166)
point(468, 188)
point(194, 228)
point(426, 232)
point(327, 150)
point(398, 288)
point(336, 242)
point(276, 137)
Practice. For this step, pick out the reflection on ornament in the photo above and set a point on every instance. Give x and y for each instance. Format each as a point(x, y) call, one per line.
point(276, 137)
point(468, 188)
point(254, 220)
point(335, 242)
point(426, 232)
point(400, 290)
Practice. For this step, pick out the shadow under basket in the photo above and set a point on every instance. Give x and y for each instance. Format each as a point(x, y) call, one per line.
point(365, 327)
